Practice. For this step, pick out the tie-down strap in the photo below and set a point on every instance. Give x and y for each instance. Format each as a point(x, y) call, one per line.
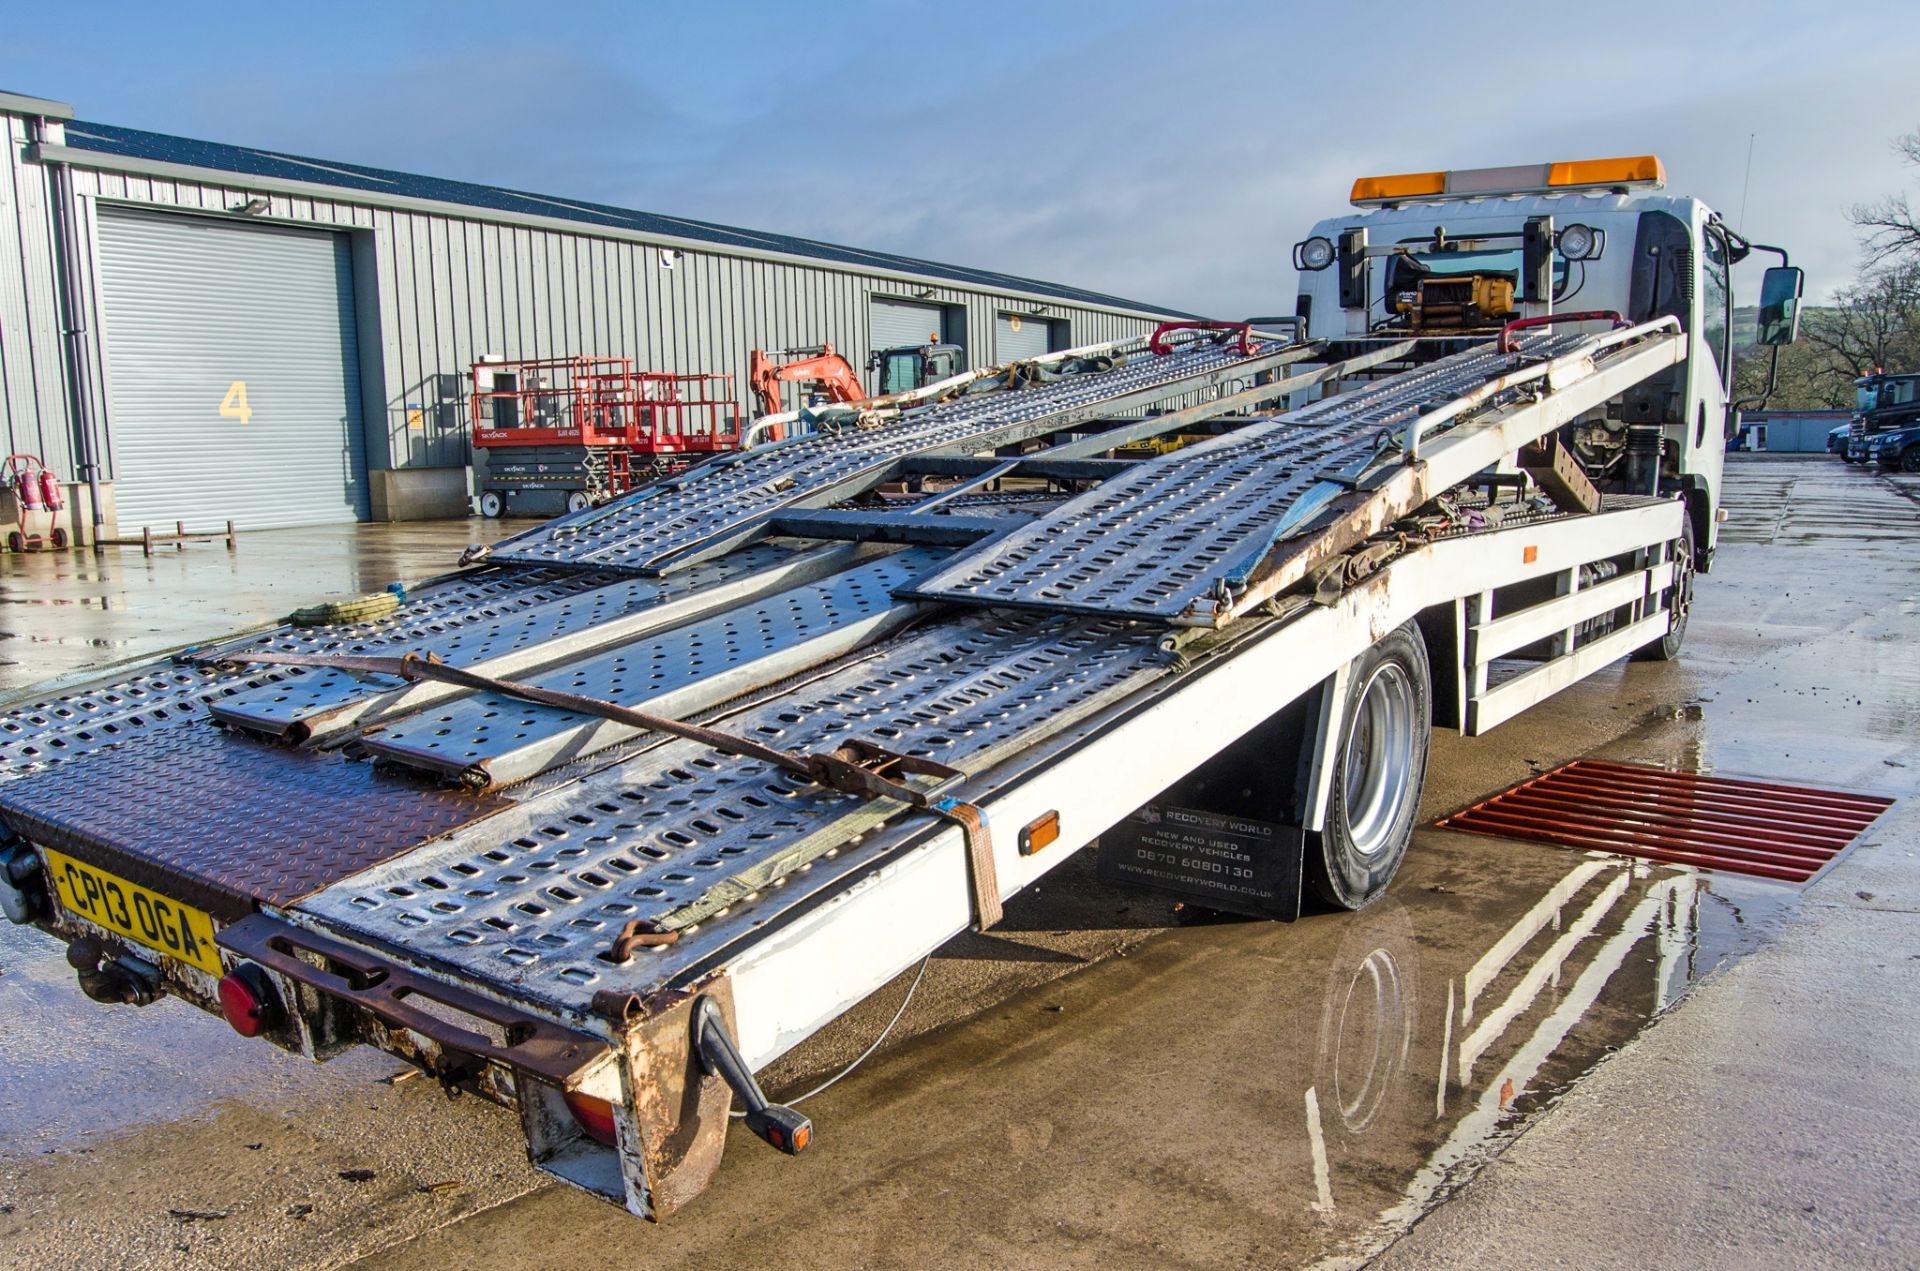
point(854, 767)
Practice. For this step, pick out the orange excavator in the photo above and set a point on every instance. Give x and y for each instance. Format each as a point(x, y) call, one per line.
point(828, 378)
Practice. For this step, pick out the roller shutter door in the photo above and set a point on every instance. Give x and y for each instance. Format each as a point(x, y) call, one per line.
point(1016, 337)
point(896, 323)
point(232, 372)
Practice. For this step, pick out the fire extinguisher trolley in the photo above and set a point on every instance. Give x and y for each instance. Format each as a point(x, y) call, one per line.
point(565, 433)
point(38, 491)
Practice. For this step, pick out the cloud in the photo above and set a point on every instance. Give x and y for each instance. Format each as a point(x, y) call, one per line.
point(1171, 155)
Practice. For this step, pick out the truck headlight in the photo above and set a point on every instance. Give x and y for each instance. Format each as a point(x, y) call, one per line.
point(1582, 242)
point(1313, 254)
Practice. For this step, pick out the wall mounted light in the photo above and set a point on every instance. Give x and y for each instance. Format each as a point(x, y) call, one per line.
point(252, 207)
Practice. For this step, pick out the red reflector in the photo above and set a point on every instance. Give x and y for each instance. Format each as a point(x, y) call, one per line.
point(594, 1117)
point(248, 1001)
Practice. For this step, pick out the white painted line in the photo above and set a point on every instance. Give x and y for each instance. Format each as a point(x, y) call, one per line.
point(1322, 1176)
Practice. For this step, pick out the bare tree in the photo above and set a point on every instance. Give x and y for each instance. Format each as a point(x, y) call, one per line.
point(1890, 229)
point(1872, 325)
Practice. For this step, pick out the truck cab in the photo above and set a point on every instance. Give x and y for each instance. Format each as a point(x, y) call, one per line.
point(1451, 257)
point(1885, 429)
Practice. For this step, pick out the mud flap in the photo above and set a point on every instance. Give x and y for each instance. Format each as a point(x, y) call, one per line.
point(1229, 834)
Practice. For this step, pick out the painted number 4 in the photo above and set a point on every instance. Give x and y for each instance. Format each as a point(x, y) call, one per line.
point(234, 404)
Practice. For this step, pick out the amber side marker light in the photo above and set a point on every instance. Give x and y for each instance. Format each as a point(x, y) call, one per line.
point(1039, 832)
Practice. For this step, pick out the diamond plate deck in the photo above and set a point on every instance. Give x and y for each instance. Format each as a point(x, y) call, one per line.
point(221, 821)
point(1147, 543)
point(314, 702)
point(531, 897)
point(163, 694)
point(665, 524)
point(495, 739)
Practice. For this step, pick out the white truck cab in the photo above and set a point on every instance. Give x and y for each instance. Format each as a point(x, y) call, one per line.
point(1445, 255)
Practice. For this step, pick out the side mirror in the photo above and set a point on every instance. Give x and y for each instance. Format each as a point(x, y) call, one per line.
point(1779, 318)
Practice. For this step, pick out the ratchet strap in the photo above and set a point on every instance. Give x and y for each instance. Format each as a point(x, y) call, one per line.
point(854, 767)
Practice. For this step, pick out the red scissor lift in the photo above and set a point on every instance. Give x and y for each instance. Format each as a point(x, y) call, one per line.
point(569, 432)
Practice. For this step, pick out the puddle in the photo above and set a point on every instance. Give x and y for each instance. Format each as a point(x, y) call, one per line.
point(1412, 1040)
point(1236, 1092)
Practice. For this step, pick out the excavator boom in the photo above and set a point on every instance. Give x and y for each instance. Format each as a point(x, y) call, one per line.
point(828, 374)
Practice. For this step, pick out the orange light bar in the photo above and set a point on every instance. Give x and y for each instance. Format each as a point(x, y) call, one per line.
point(1530, 178)
point(1407, 185)
point(1639, 169)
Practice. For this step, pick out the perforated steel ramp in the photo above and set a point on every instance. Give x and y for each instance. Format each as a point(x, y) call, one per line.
point(491, 739)
point(524, 628)
point(710, 845)
point(1150, 542)
point(671, 522)
point(164, 694)
point(1765, 829)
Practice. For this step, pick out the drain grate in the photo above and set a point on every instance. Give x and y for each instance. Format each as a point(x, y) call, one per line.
point(1760, 828)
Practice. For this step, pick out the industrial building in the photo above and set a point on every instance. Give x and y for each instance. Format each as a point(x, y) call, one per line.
point(198, 331)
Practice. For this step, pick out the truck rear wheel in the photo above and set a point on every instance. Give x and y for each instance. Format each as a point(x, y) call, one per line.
point(1379, 772)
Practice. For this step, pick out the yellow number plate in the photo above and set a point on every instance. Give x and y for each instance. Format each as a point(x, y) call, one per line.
point(177, 930)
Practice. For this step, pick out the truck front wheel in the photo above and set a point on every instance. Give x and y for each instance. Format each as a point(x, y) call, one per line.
point(1679, 600)
point(1379, 773)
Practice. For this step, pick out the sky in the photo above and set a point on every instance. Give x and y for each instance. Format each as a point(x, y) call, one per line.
point(1163, 152)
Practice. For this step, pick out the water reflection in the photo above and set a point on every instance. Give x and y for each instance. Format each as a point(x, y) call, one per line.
point(1435, 1041)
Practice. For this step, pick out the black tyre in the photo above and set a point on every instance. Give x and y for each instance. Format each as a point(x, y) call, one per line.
point(1910, 459)
point(1378, 775)
point(1679, 598)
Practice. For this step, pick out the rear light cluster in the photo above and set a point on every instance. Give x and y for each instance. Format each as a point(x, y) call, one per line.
point(594, 1117)
point(248, 1001)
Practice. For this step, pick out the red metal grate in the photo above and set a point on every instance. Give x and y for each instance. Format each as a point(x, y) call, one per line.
point(1743, 827)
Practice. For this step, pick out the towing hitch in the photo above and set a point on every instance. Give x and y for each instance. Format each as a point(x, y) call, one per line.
point(779, 1125)
point(119, 981)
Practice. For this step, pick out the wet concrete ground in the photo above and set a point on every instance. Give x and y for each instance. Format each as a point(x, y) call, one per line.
point(1097, 1083)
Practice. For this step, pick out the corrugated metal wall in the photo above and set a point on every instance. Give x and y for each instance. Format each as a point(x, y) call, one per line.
point(33, 384)
point(438, 291)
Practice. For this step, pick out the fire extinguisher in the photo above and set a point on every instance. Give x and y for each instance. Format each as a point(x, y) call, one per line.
point(29, 488)
point(50, 493)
